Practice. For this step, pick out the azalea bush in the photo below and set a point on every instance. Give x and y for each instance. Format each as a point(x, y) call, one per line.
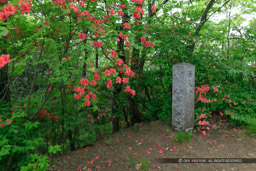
point(19, 138)
point(66, 61)
point(74, 71)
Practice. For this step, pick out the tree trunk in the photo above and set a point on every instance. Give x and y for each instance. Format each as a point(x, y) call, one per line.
point(135, 113)
point(85, 65)
point(117, 87)
point(4, 77)
point(203, 20)
point(136, 68)
point(71, 139)
point(4, 85)
point(116, 107)
point(229, 28)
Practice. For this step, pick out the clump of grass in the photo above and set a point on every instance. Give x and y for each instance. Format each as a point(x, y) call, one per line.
point(189, 135)
point(167, 130)
point(108, 142)
point(135, 128)
point(180, 137)
point(144, 164)
point(250, 129)
point(132, 161)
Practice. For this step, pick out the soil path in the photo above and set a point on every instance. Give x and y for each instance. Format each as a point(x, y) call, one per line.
point(127, 149)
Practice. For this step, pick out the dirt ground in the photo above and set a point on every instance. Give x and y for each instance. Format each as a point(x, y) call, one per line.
point(127, 149)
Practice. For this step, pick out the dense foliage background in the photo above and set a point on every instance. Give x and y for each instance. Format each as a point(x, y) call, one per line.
point(73, 71)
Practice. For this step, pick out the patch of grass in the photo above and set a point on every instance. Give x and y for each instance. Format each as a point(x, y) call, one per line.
point(180, 137)
point(189, 135)
point(144, 164)
point(131, 160)
point(250, 130)
point(135, 128)
point(236, 122)
point(108, 142)
point(167, 130)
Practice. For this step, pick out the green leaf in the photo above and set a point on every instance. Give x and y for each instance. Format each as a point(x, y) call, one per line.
point(5, 150)
point(3, 31)
point(30, 125)
point(54, 149)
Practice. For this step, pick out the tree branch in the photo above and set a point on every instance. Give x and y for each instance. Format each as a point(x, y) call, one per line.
point(44, 101)
point(204, 17)
point(34, 79)
point(151, 14)
point(106, 54)
point(218, 9)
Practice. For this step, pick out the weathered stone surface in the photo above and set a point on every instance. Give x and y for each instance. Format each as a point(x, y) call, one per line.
point(183, 89)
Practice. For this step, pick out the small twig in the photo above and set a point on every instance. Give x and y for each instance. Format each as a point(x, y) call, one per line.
point(34, 79)
point(46, 95)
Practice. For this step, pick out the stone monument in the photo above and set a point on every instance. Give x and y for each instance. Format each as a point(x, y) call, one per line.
point(183, 89)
